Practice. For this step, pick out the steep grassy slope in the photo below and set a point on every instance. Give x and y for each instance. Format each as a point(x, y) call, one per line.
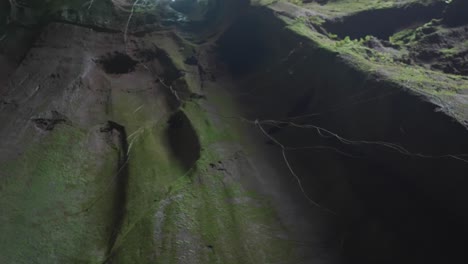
point(52, 199)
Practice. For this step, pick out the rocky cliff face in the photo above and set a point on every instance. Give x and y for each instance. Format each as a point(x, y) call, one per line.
point(233, 132)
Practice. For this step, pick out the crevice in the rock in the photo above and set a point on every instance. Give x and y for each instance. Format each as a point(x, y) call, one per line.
point(118, 137)
point(385, 22)
point(183, 140)
point(393, 205)
point(49, 120)
point(90, 26)
point(117, 63)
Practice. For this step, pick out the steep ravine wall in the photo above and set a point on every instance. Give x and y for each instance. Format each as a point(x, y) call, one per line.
point(393, 205)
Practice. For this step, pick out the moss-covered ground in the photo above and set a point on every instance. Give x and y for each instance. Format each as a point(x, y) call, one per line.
point(52, 207)
point(346, 7)
point(382, 63)
point(60, 196)
point(195, 215)
point(385, 63)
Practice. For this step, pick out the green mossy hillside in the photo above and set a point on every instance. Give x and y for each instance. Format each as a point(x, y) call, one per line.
point(54, 200)
point(382, 63)
point(199, 214)
point(335, 8)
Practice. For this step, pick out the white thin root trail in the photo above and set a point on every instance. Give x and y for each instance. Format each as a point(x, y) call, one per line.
point(283, 151)
point(128, 22)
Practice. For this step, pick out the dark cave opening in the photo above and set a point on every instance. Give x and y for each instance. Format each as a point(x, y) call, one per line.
point(117, 63)
point(394, 205)
point(183, 140)
point(117, 134)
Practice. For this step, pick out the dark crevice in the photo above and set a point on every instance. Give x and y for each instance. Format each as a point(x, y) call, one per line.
point(93, 27)
point(192, 60)
point(201, 75)
point(383, 23)
point(118, 137)
point(183, 140)
point(49, 120)
point(117, 63)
